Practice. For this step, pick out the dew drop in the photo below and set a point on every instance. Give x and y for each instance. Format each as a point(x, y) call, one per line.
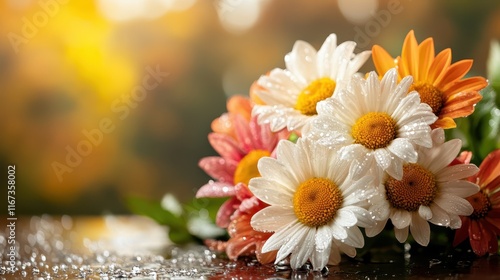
point(434, 262)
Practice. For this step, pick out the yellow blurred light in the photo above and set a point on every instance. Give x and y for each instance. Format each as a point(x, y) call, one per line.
point(127, 10)
point(240, 15)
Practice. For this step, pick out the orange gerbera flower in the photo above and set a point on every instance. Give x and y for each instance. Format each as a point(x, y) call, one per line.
point(483, 226)
point(439, 83)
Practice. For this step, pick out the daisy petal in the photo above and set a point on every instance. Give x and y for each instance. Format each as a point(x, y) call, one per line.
point(403, 149)
point(324, 56)
point(362, 216)
point(345, 218)
point(456, 172)
point(280, 237)
point(446, 153)
point(459, 188)
point(303, 253)
point(271, 192)
point(296, 235)
point(323, 238)
point(439, 216)
point(301, 61)
point(354, 238)
point(376, 229)
point(454, 204)
point(319, 258)
point(401, 234)
point(272, 218)
point(425, 212)
point(420, 229)
point(273, 170)
point(401, 219)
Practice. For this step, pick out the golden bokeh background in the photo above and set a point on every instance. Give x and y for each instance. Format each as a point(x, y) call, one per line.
point(105, 99)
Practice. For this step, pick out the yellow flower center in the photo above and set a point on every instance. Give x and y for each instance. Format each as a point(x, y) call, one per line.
point(374, 130)
point(316, 201)
point(318, 90)
point(430, 95)
point(417, 187)
point(481, 205)
point(247, 167)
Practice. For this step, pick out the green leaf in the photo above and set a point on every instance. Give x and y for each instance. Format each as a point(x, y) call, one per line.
point(493, 65)
point(153, 209)
point(493, 69)
point(211, 205)
point(180, 236)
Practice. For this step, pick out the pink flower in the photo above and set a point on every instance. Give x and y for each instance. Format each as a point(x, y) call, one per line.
point(483, 225)
point(241, 142)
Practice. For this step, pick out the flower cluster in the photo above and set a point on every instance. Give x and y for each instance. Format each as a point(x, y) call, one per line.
point(321, 151)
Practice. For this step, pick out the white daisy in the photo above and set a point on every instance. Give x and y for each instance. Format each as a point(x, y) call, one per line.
point(315, 208)
point(375, 123)
point(431, 190)
point(290, 95)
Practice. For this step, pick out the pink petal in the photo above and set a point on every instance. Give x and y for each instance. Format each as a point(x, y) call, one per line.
point(216, 189)
point(248, 204)
point(226, 146)
point(225, 211)
point(218, 168)
point(243, 134)
point(242, 191)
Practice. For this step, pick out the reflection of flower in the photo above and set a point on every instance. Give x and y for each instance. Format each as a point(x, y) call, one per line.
point(430, 190)
point(375, 124)
point(483, 225)
point(439, 84)
point(290, 95)
point(239, 155)
point(314, 205)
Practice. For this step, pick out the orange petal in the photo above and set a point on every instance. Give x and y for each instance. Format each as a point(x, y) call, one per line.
point(382, 60)
point(444, 123)
point(409, 57)
point(426, 56)
point(240, 105)
point(264, 258)
point(223, 124)
point(493, 186)
point(469, 84)
point(439, 66)
point(460, 104)
point(489, 168)
point(455, 72)
point(254, 88)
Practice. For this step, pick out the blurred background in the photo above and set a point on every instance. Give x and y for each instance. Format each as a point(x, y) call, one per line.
point(105, 99)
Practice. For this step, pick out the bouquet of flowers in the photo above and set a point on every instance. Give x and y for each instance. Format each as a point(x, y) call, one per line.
point(321, 157)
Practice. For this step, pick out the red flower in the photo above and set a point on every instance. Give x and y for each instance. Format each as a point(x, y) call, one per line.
point(483, 225)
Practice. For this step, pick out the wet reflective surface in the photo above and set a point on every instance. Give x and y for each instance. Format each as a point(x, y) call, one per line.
point(136, 248)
